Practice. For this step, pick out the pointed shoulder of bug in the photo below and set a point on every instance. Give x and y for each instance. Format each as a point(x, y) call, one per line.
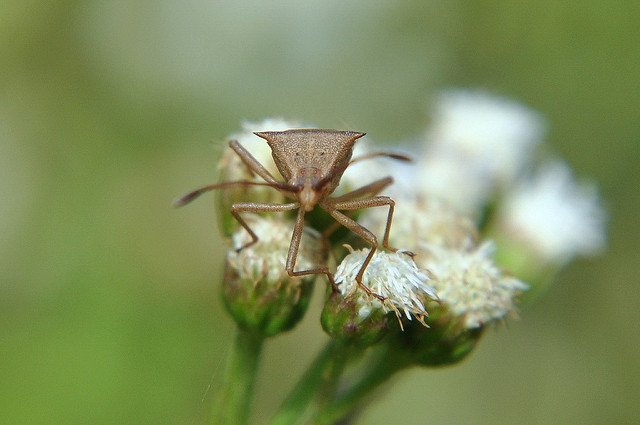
point(309, 156)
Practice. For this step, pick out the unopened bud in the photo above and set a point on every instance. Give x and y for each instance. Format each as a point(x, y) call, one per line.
point(257, 290)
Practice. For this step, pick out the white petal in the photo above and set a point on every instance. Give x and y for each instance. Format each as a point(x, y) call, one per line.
point(559, 218)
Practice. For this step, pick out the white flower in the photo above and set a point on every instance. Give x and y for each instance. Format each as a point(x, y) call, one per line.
point(554, 215)
point(485, 131)
point(417, 220)
point(471, 285)
point(448, 177)
point(266, 259)
point(393, 276)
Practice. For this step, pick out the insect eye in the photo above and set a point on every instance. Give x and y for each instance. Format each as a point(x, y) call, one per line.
point(321, 153)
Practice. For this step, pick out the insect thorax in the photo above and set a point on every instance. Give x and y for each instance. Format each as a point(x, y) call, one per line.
point(311, 155)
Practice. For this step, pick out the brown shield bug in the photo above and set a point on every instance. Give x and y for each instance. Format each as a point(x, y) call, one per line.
point(311, 161)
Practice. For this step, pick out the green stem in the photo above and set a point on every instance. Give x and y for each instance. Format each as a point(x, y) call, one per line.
point(378, 374)
point(320, 377)
point(232, 406)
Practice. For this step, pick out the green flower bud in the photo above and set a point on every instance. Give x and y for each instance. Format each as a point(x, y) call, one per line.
point(257, 291)
point(444, 342)
point(343, 319)
point(394, 285)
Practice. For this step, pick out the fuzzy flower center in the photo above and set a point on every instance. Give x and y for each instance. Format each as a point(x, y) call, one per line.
point(266, 259)
point(393, 276)
point(471, 284)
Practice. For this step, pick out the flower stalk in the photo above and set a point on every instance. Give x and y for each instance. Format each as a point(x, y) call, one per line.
point(232, 406)
point(318, 384)
point(353, 399)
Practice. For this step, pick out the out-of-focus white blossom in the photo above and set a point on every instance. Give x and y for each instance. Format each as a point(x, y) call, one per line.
point(470, 283)
point(367, 171)
point(393, 276)
point(448, 178)
point(555, 216)
point(488, 132)
point(266, 259)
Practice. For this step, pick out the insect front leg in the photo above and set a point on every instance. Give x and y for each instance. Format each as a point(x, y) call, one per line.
point(252, 163)
point(365, 234)
point(376, 201)
point(369, 190)
point(294, 246)
point(243, 207)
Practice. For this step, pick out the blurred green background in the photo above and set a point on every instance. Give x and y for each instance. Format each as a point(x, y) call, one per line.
point(109, 298)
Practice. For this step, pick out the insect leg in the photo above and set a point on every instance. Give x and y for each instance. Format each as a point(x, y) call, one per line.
point(365, 234)
point(371, 189)
point(376, 201)
point(236, 209)
point(292, 256)
point(252, 163)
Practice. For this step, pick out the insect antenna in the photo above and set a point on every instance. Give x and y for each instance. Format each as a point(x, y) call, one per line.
point(392, 155)
point(185, 199)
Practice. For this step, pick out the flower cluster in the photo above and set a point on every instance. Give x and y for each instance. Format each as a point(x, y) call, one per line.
point(463, 273)
point(474, 177)
point(479, 206)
